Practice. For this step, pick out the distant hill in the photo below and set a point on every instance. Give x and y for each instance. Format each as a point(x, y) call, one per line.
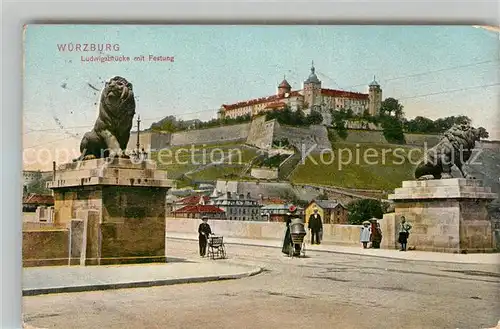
point(380, 167)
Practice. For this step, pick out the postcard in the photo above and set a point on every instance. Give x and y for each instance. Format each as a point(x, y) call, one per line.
point(260, 176)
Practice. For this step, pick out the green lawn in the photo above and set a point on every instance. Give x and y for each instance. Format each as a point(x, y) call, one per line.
point(364, 166)
point(218, 172)
point(181, 159)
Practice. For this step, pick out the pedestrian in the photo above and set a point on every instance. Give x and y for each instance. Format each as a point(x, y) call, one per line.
point(316, 226)
point(404, 233)
point(287, 241)
point(365, 234)
point(204, 232)
point(376, 234)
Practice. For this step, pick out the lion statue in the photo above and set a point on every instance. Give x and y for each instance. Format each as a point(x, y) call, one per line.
point(111, 131)
point(454, 148)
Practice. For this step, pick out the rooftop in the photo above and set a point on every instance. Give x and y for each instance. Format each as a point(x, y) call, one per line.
point(260, 100)
point(199, 208)
point(33, 198)
point(343, 93)
point(327, 204)
point(284, 84)
point(193, 199)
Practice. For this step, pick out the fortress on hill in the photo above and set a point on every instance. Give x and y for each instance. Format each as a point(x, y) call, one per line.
point(311, 97)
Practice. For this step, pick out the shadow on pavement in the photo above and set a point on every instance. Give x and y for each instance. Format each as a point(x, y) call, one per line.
point(178, 260)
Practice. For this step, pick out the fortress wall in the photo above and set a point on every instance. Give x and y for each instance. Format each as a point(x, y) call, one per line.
point(261, 132)
point(304, 138)
point(211, 135)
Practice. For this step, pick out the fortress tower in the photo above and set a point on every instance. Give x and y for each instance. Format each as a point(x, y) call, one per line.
point(284, 87)
point(375, 97)
point(312, 90)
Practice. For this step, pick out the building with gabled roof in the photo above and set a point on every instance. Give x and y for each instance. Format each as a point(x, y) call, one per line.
point(331, 211)
point(191, 200)
point(33, 200)
point(239, 206)
point(199, 211)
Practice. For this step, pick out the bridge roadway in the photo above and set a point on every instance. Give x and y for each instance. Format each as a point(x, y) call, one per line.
point(323, 290)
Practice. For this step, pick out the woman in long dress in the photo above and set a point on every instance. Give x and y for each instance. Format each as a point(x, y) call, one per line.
point(287, 241)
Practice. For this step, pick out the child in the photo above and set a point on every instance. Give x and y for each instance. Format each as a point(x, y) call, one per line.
point(365, 234)
point(203, 232)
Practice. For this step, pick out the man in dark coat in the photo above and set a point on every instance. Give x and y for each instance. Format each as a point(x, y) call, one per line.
point(316, 226)
point(376, 236)
point(203, 232)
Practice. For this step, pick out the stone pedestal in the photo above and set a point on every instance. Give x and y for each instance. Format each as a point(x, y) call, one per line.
point(115, 210)
point(447, 215)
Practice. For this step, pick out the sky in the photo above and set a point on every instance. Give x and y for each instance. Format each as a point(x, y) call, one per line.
point(435, 71)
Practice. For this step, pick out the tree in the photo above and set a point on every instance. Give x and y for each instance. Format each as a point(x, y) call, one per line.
point(364, 209)
point(420, 125)
point(339, 123)
point(443, 124)
point(391, 106)
point(393, 130)
point(350, 114)
point(322, 196)
point(298, 118)
point(314, 118)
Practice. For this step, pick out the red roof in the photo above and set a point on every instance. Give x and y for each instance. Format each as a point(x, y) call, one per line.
point(38, 199)
point(284, 84)
point(199, 208)
point(261, 100)
point(193, 199)
point(343, 93)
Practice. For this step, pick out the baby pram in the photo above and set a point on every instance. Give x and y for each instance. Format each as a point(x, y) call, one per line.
point(216, 248)
point(297, 233)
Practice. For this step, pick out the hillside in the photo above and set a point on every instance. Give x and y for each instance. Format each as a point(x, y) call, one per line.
point(375, 163)
point(205, 162)
point(362, 166)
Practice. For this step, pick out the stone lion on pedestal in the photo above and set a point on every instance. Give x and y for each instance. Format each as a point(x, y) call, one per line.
point(454, 148)
point(111, 131)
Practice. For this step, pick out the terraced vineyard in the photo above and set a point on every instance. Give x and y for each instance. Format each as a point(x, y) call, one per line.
point(364, 166)
point(205, 162)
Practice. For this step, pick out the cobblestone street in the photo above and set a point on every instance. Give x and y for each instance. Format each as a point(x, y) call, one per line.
point(324, 290)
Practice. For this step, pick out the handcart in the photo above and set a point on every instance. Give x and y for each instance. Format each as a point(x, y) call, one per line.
point(216, 248)
point(297, 232)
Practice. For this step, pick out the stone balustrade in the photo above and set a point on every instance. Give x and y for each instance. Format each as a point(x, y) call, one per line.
point(332, 233)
